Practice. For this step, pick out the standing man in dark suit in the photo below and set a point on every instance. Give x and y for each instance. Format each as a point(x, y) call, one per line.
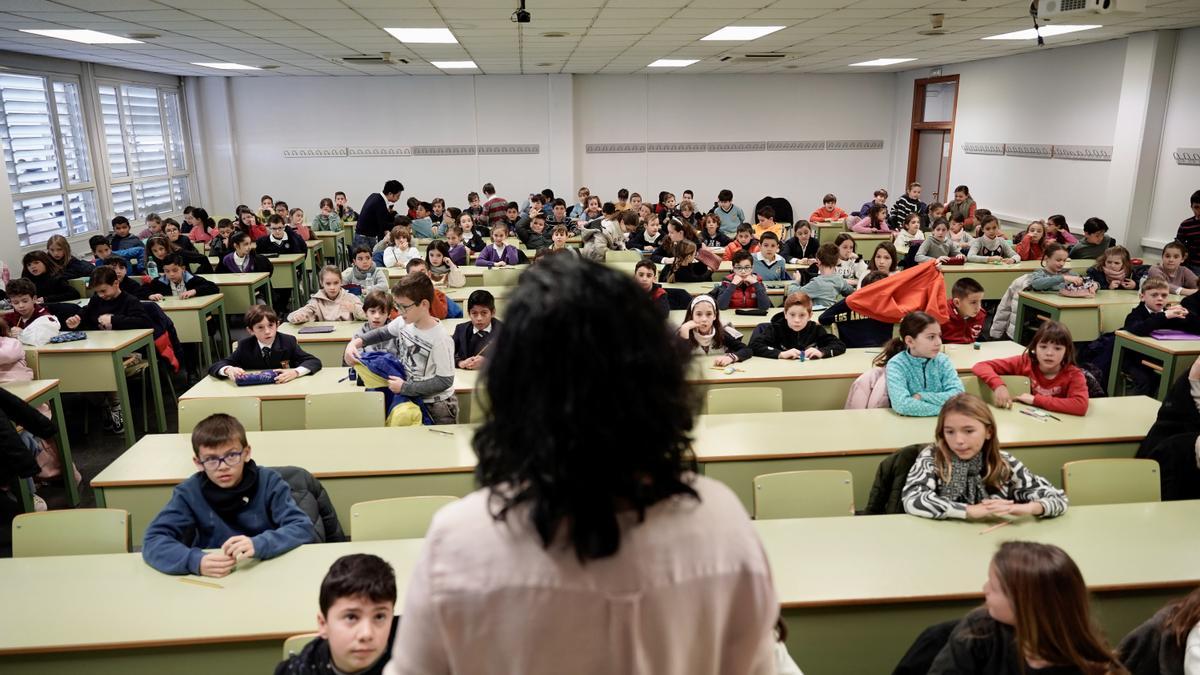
point(375, 217)
point(266, 349)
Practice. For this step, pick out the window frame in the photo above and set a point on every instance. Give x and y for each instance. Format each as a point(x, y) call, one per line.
point(66, 188)
point(133, 178)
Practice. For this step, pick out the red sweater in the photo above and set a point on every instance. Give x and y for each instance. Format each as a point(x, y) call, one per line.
point(1067, 393)
point(959, 330)
point(734, 246)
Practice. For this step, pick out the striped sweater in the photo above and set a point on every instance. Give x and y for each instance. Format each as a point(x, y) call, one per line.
point(920, 495)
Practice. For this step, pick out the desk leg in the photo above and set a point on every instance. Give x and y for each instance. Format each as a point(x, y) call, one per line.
point(160, 415)
point(123, 394)
point(1019, 328)
point(223, 348)
point(1167, 377)
point(64, 446)
point(1114, 368)
point(26, 488)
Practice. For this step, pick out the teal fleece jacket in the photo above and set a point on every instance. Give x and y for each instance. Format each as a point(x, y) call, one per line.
point(934, 379)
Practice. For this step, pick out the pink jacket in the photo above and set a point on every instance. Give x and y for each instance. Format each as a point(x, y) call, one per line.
point(12, 361)
point(689, 592)
point(869, 391)
point(863, 227)
point(345, 307)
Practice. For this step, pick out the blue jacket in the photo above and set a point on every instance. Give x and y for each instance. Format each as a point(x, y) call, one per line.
point(934, 379)
point(271, 519)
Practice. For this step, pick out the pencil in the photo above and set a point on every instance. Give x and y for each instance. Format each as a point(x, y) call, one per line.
point(197, 582)
point(995, 527)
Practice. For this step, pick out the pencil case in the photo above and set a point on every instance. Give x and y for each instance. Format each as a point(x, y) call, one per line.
point(251, 379)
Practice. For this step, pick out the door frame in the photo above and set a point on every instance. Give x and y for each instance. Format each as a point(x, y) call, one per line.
point(917, 126)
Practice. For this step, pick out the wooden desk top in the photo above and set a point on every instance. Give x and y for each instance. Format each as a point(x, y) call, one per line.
point(323, 381)
point(313, 243)
point(136, 606)
point(288, 258)
point(173, 304)
point(859, 560)
point(238, 279)
point(814, 433)
point(1174, 347)
point(872, 236)
point(1102, 298)
point(166, 459)
point(27, 391)
point(853, 363)
point(98, 341)
point(343, 331)
point(1025, 266)
point(325, 234)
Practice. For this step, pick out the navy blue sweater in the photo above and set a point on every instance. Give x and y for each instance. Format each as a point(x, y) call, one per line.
point(271, 519)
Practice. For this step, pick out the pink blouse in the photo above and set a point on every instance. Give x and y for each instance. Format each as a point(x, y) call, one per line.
point(688, 593)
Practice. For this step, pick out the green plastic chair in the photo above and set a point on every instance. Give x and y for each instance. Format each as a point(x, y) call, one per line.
point(479, 402)
point(1112, 481)
point(501, 276)
point(396, 518)
point(296, 643)
point(70, 532)
point(803, 494)
point(737, 400)
point(246, 409)
point(344, 410)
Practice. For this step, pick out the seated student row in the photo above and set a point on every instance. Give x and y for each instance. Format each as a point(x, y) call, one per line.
point(422, 646)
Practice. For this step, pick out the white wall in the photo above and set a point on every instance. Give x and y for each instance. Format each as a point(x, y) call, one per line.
point(1176, 183)
point(1067, 95)
point(681, 108)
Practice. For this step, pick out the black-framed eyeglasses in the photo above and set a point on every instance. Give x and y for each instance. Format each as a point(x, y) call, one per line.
point(404, 308)
point(743, 268)
point(231, 460)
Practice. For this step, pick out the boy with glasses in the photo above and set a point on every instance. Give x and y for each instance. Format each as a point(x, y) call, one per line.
point(231, 505)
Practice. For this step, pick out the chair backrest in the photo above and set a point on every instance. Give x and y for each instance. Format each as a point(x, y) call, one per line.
point(1112, 481)
point(502, 276)
point(736, 400)
point(397, 518)
point(1016, 384)
point(246, 409)
point(623, 256)
point(343, 410)
point(971, 384)
point(70, 532)
point(803, 494)
point(296, 643)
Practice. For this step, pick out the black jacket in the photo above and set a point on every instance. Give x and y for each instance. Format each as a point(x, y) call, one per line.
point(775, 336)
point(192, 257)
point(694, 272)
point(285, 353)
point(373, 218)
point(718, 240)
point(1141, 321)
point(982, 645)
point(637, 240)
point(792, 249)
point(191, 282)
point(126, 310)
point(890, 476)
point(1176, 415)
point(292, 244)
point(467, 345)
point(1148, 650)
point(856, 330)
point(314, 501)
point(315, 658)
point(52, 287)
point(16, 461)
point(76, 269)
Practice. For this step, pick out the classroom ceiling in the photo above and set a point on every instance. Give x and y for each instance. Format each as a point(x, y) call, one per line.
point(310, 37)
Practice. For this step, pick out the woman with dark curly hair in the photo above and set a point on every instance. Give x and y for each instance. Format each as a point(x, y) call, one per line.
point(592, 545)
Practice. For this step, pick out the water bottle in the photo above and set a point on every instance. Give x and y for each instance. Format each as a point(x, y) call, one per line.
point(152, 268)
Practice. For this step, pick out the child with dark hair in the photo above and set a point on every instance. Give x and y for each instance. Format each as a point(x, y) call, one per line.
point(126, 283)
point(357, 622)
point(1188, 233)
point(743, 240)
point(266, 349)
point(362, 272)
point(1056, 383)
point(828, 286)
point(967, 315)
point(230, 504)
point(1095, 240)
point(1174, 270)
point(793, 335)
point(23, 296)
point(121, 238)
point(743, 289)
point(40, 268)
point(731, 215)
point(176, 281)
point(920, 378)
point(704, 333)
point(768, 264)
point(472, 338)
point(645, 273)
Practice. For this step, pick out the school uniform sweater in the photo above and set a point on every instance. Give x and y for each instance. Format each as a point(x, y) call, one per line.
point(730, 219)
point(15, 320)
point(984, 248)
point(459, 255)
point(469, 342)
point(794, 251)
point(775, 270)
point(641, 241)
point(932, 249)
point(126, 310)
point(191, 282)
point(772, 338)
point(316, 659)
point(1141, 321)
point(921, 498)
point(422, 228)
point(52, 287)
point(1086, 251)
point(291, 243)
point(1097, 275)
point(1066, 392)
point(270, 518)
point(934, 379)
point(961, 330)
point(491, 255)
point(284, 352)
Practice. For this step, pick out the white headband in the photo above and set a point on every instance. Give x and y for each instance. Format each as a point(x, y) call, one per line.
point(703, 297)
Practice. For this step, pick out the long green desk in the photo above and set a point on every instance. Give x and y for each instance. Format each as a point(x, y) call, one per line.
point(35, 393)
point(354, 465)
point(330, 250)
point(994, 277)
point(330, 348)
point(475, 276)
point(288, 272)
point(128, 618)
point(837, 579)
point(736, 448)
point(827, 232)
point(191, 316)
point(1086, 318)
point(97, 365)
point(840, 580)
point(822, 384)
point(1174, 357)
